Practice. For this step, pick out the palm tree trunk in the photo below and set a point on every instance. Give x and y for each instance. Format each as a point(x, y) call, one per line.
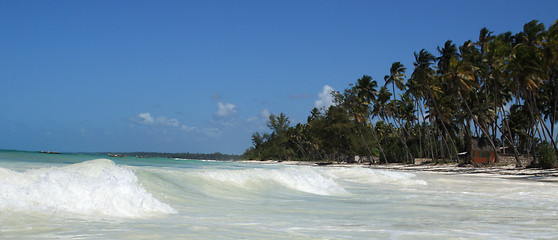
point(490, 140)
point(379, 144)
point(536, 117)
point(428, 136)
point(443, 123)
point(435, 144)
point(421, 154)
point(533, 139)
point(432, 134)
point(468, 139)
point(518, 162)
point(365, 144)
point(553, 113)
point(404, 140)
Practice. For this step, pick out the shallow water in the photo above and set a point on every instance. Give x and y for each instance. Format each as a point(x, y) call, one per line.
point(45, 196)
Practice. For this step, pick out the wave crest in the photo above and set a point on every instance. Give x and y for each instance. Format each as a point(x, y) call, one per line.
point(97, 187)
point(304, 179)
point(376, 176)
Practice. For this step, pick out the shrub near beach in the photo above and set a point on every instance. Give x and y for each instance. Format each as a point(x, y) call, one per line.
point(547, 157)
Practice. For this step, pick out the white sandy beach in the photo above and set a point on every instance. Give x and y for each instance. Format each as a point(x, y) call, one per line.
point(508, 172)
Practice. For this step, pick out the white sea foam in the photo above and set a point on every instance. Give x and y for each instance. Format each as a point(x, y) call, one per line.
point(374, 176)
point(92, 188)
point(304, 179)
point(225, 200)
point(320, 181)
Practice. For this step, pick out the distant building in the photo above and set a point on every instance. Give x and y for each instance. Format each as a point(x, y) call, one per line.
point(481, 151)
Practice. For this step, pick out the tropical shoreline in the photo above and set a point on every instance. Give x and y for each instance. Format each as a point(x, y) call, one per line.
point(505, 172)
point(475, 101)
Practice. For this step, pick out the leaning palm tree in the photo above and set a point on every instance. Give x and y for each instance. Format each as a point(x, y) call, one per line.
point(460, 76)
point(525, 67)
point(366, 94)
point(550, 86)
point(496, 84)
point(381, 107)
point(420, 87)
point(396, 77)
point(366, 89)
point(449, 57)
point(402, 114)
point(447, 53)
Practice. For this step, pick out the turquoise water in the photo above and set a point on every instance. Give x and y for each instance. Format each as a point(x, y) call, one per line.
point(80, 196)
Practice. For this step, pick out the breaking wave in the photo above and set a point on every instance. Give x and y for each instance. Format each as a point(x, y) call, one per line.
point(303, 179)
point(92, 188)
point(375, 176)
point(314, 180)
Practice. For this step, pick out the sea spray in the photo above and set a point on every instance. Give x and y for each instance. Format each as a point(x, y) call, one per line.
point(92, 188)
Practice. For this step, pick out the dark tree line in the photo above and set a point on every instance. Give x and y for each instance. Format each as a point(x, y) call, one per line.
point(196, 156)
point(501, 88)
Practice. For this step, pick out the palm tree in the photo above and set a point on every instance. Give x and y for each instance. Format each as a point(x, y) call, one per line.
point(525, 67)
point(519, 124)
point(366, 89)
point(278, 124)
point(396, 77)
point(497, 84)
point(550, 86)
point(447, 54)
point(419, 85)
point(366, 94)
point(258, 140)
point(279, 137)
point(380, 107)
point(403, 114)
point(448, 62)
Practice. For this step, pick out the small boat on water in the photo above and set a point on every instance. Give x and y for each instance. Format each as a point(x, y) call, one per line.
point(115, 155)
point(50, 152)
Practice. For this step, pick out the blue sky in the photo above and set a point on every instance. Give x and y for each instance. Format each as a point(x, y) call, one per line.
point(201, 76)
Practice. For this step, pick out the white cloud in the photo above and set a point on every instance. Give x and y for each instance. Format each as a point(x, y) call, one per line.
point(187, 128)
point(144, 118)
point(171, 122)
point(225, 110)
point(212, 132)
point(147, 119)
point(265, 114)
point(325, 99)
point(216, 96)
point(225, 114)
point(262, 117)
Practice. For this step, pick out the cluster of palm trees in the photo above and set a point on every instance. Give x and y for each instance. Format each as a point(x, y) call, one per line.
point(502, 89)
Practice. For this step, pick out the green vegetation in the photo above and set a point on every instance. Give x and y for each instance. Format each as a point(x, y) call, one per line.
point(500, 88)
point(547, 157)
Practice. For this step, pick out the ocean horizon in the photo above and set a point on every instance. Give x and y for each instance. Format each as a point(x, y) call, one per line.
point(92, 196)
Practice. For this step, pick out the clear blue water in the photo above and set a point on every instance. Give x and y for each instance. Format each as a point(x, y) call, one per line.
point(81, 196)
